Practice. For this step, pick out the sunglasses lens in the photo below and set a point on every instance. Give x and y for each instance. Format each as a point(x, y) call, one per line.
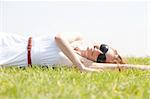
point(104, 48)
point(101, 58)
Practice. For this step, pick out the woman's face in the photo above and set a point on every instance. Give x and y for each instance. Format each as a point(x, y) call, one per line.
point(110, 54)
point(93, 52)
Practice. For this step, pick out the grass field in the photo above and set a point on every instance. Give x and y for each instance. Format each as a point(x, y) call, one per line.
point(63, 83)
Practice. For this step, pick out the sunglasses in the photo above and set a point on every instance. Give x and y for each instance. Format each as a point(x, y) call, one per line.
point(102, 57)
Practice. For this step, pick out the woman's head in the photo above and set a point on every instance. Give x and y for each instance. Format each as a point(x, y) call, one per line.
point(109, 55)
point(101, 54)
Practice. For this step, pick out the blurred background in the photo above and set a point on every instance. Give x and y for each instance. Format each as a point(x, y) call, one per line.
point(123, 24)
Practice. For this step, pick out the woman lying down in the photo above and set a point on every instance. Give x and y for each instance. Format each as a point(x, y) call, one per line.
point(57, 50)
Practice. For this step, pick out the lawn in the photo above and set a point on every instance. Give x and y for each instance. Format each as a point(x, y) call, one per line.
point(64, 83)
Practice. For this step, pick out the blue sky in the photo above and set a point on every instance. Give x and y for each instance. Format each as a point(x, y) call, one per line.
point(121, 24)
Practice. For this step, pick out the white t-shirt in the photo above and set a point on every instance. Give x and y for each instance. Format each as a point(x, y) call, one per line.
point(13, 51)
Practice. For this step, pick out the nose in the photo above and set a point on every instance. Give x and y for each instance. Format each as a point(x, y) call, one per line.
point(97, 50)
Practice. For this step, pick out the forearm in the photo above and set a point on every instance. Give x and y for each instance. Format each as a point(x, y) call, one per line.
point(64, 45)
point(119, 66)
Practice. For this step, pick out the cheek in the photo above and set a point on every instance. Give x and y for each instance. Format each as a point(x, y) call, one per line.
point(109, 58)
point(91, 56)
point(95, 55)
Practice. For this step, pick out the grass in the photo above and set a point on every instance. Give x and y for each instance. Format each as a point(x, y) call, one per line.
point(63, 83)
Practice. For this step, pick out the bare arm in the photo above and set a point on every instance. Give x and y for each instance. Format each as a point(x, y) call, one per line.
point(119, 66)
point(64, 45)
